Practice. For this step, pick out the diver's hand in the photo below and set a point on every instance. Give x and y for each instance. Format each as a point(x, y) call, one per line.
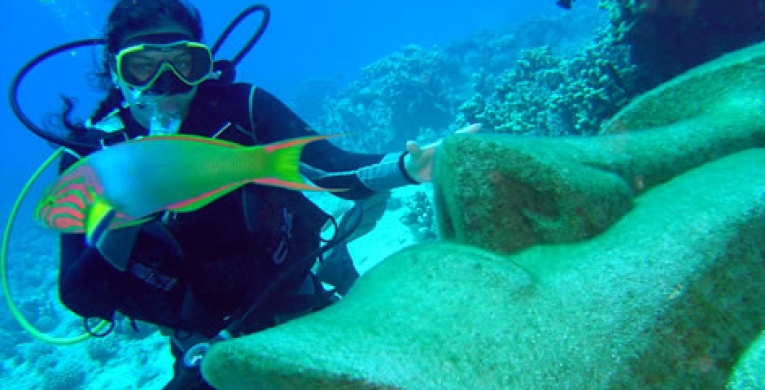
point(419, 162)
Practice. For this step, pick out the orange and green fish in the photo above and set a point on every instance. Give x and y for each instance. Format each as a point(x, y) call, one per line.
point(124, 184)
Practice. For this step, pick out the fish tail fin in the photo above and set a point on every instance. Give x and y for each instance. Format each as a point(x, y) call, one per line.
point(98, 221)
point(284, 164)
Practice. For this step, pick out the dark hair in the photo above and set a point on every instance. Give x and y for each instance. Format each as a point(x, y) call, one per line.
point(126, 18)
point(130, 16)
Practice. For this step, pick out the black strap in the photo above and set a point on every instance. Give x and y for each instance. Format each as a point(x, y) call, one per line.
point(90, 331)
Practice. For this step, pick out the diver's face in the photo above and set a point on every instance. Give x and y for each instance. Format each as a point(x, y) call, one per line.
point(143, 66)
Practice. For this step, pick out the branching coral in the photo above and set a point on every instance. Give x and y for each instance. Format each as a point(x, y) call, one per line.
point(645, 43)
point(64, 375)
point(544, 77)
point(103, 349)
point(420, 217)
point(556, 89)
point(546, 94)
point(416, 93)
point(394, 98)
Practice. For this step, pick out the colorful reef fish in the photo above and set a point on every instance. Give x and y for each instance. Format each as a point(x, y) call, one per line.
point(124, 184)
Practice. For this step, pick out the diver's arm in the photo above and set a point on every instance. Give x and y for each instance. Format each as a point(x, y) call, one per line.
point(325, 164)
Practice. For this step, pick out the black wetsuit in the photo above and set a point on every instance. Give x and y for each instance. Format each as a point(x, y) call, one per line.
point(229, 253)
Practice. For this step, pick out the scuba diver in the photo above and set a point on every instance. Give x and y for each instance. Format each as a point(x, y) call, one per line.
point(251, 259)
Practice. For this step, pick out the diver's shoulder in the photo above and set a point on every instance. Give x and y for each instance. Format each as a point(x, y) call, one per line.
point(216, 89)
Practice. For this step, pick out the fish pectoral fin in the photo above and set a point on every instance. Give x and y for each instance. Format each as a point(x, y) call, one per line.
point(98, 221)
point(116, 246)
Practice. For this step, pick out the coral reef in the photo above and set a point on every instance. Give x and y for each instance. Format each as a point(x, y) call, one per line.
point(542, 186)
point(492, 52)
point(537, 77)
point(65, 374)
point(545, 94)
point(668, 37)
point(394, 99)
point(103, 349)
point(35, 351)
point(646, 43)
point(417, 93)
point(420, 217)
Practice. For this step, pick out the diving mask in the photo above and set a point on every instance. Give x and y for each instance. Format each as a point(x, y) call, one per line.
point(141, 66)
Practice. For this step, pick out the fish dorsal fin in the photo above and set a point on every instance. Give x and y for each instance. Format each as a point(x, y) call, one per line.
point(187, 137)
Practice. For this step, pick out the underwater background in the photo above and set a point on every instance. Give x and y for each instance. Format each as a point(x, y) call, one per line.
point(387, 71)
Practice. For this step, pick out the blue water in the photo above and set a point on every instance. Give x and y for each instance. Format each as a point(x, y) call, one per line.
point(305, 38)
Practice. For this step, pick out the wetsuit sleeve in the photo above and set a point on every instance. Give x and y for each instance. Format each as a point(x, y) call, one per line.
point(325, 164)
point(87, 283)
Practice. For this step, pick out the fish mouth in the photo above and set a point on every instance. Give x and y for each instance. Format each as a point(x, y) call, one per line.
point(42, 208)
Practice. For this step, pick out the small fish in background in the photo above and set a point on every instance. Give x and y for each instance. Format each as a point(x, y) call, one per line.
point(565, 4)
